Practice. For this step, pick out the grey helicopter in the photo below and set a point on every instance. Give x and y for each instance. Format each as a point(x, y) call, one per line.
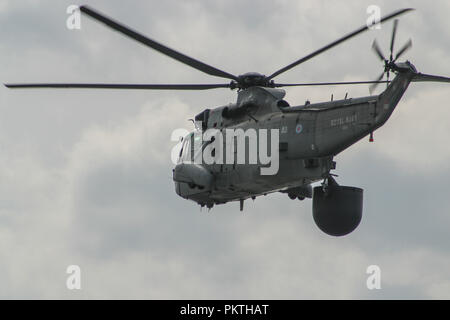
point(309, 135)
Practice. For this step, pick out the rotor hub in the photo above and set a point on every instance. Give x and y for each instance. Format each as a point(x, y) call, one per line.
point(252, 79)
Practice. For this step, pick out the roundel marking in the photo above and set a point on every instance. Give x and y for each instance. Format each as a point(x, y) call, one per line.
point(298, 128)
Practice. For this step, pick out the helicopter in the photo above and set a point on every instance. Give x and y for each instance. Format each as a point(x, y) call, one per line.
point(307, 137)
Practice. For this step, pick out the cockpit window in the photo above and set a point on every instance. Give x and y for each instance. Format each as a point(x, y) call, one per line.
point(192, 147)
point(185, 154)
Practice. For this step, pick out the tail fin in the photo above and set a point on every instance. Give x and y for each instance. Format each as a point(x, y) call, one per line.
point(406, 73)
point(422, 77)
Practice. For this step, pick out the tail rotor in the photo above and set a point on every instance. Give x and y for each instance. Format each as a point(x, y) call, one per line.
point(389, 64)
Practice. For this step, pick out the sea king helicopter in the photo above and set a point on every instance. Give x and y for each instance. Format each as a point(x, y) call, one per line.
point(310, 135)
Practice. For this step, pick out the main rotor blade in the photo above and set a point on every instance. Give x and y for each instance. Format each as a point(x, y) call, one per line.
point(377, 50)
point(155, 45)
point(394, 31)
point(278, 85)
point(405, 48)
point(335, 43)
point(117, 86)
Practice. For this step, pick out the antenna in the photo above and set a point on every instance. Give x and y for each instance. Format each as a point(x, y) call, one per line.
point(195, 124)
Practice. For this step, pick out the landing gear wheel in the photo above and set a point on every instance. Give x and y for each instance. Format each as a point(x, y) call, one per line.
point(292, 196)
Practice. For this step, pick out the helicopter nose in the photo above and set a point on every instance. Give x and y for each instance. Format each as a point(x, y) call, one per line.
point(193, 174)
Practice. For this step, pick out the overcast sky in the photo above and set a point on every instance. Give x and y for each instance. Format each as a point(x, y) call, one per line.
point(85, 176)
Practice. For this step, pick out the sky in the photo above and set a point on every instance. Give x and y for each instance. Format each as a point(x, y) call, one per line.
point(85, 175)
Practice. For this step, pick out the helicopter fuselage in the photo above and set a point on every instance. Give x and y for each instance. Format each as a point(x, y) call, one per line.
point(310, 135)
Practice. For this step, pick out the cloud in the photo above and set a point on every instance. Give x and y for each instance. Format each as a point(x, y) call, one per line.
point(418, 131)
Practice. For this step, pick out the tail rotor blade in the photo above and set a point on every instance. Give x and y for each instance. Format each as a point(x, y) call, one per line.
point(394, 31)
point(387, 78)
point(377, 50)
point(405, 48)
point(375, 85)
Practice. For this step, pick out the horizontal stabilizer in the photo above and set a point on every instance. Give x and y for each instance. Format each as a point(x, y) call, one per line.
point(421, 77)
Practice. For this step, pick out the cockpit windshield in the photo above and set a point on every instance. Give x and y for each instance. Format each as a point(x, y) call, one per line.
point(192, 147)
